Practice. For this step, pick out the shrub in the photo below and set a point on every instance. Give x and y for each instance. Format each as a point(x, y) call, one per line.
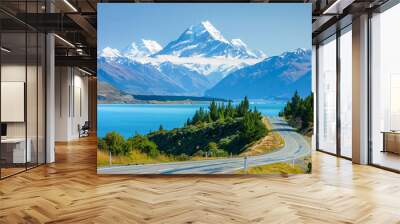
point(102, 144)
point(214, 151)
point(182, 157)
point(115, 143)
point(144, 145)
point(199, 153)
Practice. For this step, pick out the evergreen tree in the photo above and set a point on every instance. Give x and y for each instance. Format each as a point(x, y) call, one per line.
point(202, 115)
point(188, 122)
point(230, 110)
point(252, 127)
point(296, 103)
point(299, 112)
point(243, 107)
point(209, 118)
point(213, 111)
point(196, 118)
point(221, 112)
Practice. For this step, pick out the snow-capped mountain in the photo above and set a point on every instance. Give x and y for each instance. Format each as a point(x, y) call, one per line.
point(194, 83)
point(109, 52)
point(201, 61)
point(277, 76)
point(200, 49)
point(204, 40)
point(136, 78)
point(142, 49)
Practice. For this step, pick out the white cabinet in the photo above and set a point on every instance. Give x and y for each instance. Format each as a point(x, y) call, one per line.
point(19, 155)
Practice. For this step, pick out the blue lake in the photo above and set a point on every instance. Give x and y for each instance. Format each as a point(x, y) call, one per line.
point(129, 119)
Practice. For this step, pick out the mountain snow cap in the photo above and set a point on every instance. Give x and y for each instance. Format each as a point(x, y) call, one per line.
point(238, 43)
point(143, 49)
point(152, 46)
point(109, 52)
point(206, 26)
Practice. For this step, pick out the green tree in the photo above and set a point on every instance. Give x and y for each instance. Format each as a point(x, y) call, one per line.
point(144, 145)
point(243, 107)
point(115, 143)
point(299, 112)
point(213, 111)
point(196, 117)
point(202, 115)
point(215, 151)
point(252, 127)
point(230, 110)
point(102, 144)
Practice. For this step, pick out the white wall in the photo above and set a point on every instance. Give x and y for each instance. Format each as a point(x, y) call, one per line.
point(62, 82)
point(71, 102)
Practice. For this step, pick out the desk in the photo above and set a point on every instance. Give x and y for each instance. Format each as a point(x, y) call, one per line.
point(391, 141)
point(15, 148)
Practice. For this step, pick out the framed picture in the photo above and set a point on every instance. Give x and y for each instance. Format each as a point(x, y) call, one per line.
point(204, 88)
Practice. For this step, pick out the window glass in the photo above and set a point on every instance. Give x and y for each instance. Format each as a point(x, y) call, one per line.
point(346, 93)
point(385, 89)
point(327, 96)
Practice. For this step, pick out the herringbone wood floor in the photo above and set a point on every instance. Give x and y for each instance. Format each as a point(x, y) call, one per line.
point(69, 191)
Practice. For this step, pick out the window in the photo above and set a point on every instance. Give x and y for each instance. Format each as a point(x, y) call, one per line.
point(385, 89)
point(346, 92)
point(327, 95)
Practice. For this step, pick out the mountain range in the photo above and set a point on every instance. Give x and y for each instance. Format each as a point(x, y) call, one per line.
point(275, 77)
point(202, 62)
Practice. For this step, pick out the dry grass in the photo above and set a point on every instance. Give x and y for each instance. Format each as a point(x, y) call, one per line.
point(269, 143)
point(275, 168)
point(134, 158)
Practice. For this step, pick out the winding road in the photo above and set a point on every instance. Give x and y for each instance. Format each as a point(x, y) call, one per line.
point(295, 147)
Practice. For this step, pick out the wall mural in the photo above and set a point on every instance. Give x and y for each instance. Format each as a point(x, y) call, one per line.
point(204, 89)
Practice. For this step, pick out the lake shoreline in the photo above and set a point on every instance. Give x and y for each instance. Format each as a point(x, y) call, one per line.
point(190, 102)
point(129, 119)
point(163, 102)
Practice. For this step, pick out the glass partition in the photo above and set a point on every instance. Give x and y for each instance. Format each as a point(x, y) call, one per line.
point(22, 77)
point(327, 96)
point(13, 94)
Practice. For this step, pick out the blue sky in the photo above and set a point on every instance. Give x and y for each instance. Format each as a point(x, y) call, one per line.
point(272, 28)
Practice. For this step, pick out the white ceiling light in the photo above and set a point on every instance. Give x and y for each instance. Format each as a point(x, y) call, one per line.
point(338, 6)
point(70, 5)
point(65, 41)
point(5, 50)
point(84, 71)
